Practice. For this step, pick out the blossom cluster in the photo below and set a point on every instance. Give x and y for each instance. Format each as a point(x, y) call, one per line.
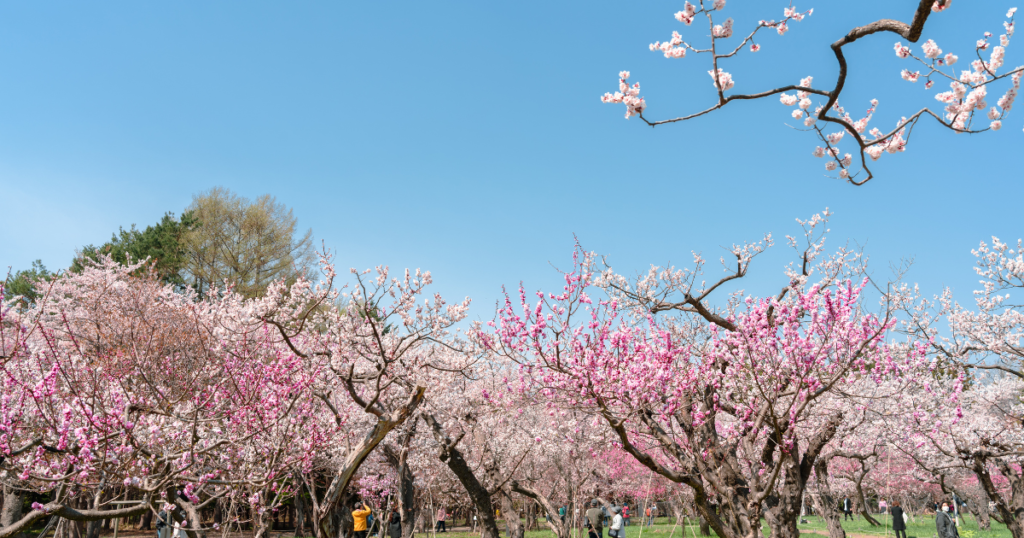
point(968, 90)
point(677, 48)
point(629, 95)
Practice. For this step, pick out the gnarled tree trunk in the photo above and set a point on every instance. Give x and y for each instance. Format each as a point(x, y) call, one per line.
point(451, 456)
point(511, 515)
point(397, 458)
point(862, 502)
point(323, 524)
point(10, 512)
point(554, 521)
point(300, 507)
point(784, 506)
point(825, 503)
point(1009, 507)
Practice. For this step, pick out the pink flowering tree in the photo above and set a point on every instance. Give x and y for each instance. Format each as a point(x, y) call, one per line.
point(116, 387)
point(114, 379)
point(967, 416)
point(480, 443)
point(373, 348)
point(731, 402)
point(963, 109)
point(972, 445)
point(565, 462)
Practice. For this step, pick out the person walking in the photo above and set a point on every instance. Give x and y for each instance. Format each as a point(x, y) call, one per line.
point(847, 509)
point(882, 506)
point(653, 514)
point(945, 527)
point(899, 525)
point(395, 524)
point(440, 520)
point(359, 518)
point(625, 515)
point(616, 529)
point(595, 518)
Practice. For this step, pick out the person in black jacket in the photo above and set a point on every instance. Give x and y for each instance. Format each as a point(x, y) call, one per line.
point(161, 525)
point(395, 524)
point(847, 508)
point(898, 524)
point(945, 527)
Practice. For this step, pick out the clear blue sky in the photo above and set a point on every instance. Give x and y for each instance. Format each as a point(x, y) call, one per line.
point(467, 138)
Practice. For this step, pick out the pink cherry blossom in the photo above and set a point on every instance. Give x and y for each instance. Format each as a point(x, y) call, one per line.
point(957, 110)
point(931, 50)
point(724, 30)
point(723, 79)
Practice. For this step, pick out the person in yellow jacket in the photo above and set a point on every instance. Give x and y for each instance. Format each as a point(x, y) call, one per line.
point(359, 519)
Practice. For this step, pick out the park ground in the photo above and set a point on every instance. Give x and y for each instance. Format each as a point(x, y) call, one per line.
point(919, 527)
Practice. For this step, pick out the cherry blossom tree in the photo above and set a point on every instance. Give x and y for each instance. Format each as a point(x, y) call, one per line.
point(730, 403)
point(110, 378)
point(114, 383)
point(965, 418)
point(373, 350)
point(964, 107)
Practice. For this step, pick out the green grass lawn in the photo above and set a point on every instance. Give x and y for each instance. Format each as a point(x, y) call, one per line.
point(919, 527)
point(662, 529)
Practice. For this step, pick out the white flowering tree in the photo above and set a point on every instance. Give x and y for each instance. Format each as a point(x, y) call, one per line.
point(964, 107)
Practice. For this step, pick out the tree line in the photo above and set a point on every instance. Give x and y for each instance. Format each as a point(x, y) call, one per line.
point(220, 237)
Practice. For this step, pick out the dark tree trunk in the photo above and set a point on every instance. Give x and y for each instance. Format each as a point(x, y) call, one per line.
point(451, 456)
point(827, 504)
point(218, 508)
point(146, 521)
point(11, 509)
point(783, 510)
point(398, 458)
point(92, 528)
point(300, 508)
point(863, 503)
point(531, 517)
point(705, 529)
point(512, 522)
point(554, 521)
point(980, 515)
point(346, 471)
point(1010, 507)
